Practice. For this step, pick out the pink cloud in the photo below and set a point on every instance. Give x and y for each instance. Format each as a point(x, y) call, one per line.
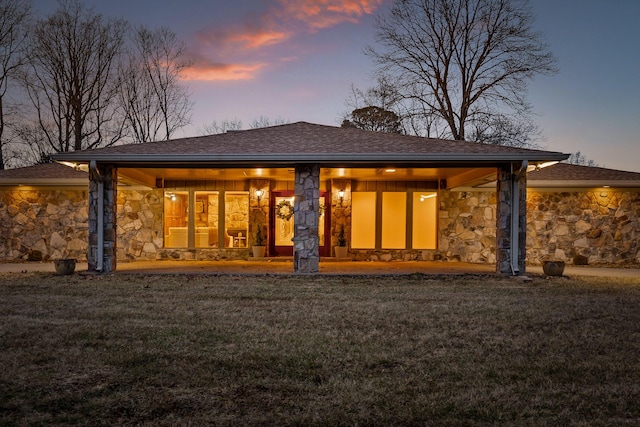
point(241, 45)
point(320, 14)
point(244, 38)
point(222, 72)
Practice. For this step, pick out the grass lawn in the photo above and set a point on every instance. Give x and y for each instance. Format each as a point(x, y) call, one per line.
point(301, 350)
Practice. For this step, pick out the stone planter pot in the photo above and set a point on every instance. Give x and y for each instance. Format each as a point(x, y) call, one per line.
point(341, 251)
point(553, 268)
point(258, 251)
point(65, 266)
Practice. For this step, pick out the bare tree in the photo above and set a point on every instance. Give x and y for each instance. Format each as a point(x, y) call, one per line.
point(221, 127)
point(264, 121)
point(13, 19)
point(501, 129)
point(461, 60)
point(72, 63)
point(578, 158)
point(155, 102)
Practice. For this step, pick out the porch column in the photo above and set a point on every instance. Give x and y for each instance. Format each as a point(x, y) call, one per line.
point(511, 225)
point(306, 252)
point(103, 182)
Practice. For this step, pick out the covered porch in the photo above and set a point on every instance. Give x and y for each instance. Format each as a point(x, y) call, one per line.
point(377, 193)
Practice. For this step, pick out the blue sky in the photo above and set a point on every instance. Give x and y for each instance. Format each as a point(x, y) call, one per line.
point(296, 60)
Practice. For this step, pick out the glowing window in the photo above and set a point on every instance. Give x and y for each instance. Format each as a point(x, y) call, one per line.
point(206, 219)
point(176, 219)
point(424, 223)
point(363, 220)
point(394, 220)
point(236, 219)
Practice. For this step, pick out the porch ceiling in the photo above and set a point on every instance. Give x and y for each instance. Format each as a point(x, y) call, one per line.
point(454, 176)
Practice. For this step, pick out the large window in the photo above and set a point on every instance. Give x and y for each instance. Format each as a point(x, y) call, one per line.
point(236, 219)
point(394, 220)
point(176, 219)
point(425, 211)
point(207, 218)
point(197, 219)
point(363, 220)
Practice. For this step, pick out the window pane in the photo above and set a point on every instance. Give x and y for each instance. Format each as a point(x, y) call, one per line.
point(394, 220)
point(236, 219)
point(424, 220)
point(206, 219)
point(363, 220)
point(284, 221)
point(176, 219)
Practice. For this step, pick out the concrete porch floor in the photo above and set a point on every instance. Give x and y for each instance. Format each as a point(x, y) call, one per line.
point(327, 266)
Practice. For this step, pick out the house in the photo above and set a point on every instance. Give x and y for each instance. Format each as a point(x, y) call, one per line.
point(303, 184)
point(392, 196)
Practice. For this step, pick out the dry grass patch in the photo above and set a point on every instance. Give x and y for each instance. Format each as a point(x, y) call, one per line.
point(256, 350)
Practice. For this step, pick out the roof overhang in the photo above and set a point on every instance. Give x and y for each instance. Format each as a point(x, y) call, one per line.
point(47, 182)
point(583, 184)
point(326, 159)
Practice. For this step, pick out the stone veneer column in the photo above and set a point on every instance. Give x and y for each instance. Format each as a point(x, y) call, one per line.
point(306, 252)
point(109, 177)
point(504, 200)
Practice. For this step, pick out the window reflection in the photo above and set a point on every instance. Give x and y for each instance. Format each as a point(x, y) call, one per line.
point(236, 219)
point(176, 219)
point(206, 219)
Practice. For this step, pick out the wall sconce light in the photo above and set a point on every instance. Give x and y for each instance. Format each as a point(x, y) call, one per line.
point(341, 196)
point(259, 195)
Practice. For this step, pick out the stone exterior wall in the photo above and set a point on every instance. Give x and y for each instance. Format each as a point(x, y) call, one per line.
point(467, 226)
point(139, 221)
point(42, 224)
point(598, 227)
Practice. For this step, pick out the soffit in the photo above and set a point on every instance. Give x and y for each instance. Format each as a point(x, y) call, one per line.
point(148, 176)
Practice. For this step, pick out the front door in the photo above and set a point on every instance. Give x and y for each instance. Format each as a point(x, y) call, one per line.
point(281, 224)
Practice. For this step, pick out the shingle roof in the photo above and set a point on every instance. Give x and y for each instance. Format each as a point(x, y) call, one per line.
point(47, 173)
point(304, 141)
point(572, 175)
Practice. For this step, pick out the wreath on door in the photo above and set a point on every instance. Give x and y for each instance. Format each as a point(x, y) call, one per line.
point(284, 210)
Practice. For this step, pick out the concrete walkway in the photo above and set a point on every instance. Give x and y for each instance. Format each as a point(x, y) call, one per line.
point(333, 267)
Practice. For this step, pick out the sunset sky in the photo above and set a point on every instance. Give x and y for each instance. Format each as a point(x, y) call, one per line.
point(297, 59)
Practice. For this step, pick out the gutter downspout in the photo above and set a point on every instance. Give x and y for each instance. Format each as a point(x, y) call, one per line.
point(93, 168)
point(515, 215)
